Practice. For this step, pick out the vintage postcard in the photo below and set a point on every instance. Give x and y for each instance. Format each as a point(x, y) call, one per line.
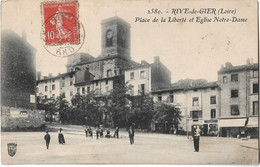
point(129, 82)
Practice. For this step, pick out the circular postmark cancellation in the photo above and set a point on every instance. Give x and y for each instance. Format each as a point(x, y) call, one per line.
point(62, 34)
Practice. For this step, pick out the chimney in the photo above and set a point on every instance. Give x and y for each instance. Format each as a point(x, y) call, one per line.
point(252, 61)
point(228, 65)
point(24, 35)
point(50, 75)
point(143, 62)
point(247, 61)
point(156, 59)
point(38, 75)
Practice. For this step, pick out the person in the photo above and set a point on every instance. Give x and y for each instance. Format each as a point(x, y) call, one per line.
point(86, 131)
point(108, 134)
point(196, 138)
point(97, 133)
point(61, 137)
point(101, 132)
point(131, 133)
point(47, 138)
point(90, 132)
point(116, 132)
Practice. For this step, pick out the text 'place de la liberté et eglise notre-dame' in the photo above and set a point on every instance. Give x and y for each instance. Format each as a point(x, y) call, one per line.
point(227, 107)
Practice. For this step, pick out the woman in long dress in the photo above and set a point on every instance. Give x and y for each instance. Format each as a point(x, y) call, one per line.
point(61, 137)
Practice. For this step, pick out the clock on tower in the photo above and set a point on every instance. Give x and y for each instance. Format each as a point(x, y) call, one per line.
point(115, 37)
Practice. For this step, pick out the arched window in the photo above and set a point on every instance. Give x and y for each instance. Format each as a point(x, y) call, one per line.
point(109, 73)
point(109, 38)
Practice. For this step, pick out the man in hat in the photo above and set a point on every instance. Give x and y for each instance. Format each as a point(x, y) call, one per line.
point(131, 133)
point(47, 138)
point(196, 138)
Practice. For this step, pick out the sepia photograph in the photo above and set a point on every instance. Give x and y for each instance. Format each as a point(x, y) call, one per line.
point(121, 82)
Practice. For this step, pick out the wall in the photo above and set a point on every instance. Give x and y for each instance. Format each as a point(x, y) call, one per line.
point(18, 73)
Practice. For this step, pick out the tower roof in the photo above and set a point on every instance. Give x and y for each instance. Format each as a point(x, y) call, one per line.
point(115, 19)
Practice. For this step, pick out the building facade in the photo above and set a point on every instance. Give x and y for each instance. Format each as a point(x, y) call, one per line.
point(239, 99)
point(199, 105)
point(18, 89)
point(147, 77)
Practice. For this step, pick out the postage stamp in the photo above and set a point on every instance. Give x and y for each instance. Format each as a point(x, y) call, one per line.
point(62, 34)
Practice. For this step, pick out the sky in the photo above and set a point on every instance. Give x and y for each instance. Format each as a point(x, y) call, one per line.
point(189, 50)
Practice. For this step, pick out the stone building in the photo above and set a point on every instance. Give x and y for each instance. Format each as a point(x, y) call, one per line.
point(18, 89)
point(197, 101)
point(148, 77)
point(239, 99)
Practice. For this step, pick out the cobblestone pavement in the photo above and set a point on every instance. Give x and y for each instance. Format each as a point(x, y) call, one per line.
point(148, 149)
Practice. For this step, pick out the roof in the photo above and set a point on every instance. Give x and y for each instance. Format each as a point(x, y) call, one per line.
point(188, 87)
point(115, 18)
point(58, 76)
point(231, 68)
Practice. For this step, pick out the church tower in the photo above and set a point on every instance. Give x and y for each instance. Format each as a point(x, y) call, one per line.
point(115, 41)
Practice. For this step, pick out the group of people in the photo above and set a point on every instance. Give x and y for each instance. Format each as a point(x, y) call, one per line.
point(100, 133)
point(61, 138)
point(88, 132)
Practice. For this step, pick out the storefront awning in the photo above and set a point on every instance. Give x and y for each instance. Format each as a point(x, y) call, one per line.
point(252, 122)
point(232, 122)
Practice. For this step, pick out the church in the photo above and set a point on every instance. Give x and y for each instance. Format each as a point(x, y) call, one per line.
point(101, 74)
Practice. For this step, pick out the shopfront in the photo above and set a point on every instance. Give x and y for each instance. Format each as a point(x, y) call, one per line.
point(232, 127)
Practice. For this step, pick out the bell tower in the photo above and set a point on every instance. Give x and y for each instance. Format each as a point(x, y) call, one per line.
point(115, 37)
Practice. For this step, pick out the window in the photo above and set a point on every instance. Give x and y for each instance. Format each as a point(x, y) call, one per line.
point(255, 108)
point(170, 99)
point(195, 90)
point(234, 93)
point(255, 88)
point(109, 73)
point(83, 91)
point(106, 82)
point(213, 113)
point(53, 95)
point(71, 93)
point(53, 87)
point(63, 78)
point(213, 88)
point(142, 88)
point(224, 79)
point(63, 94)
point(63, 84)
point(115, 72)
point(132, 90)
point(159, 98)
point(196, 115)
point(97, 83)
point(45, 81)
point(106, 88)
point(45, 97)
point(234, 110)
point(142, 74)
point(132, 75)
point(234, 77)
point(53, 80)
point(46, 88)
point(212, 99)
point(88, 89)
point(195, 101)
point(37, 90)
point(78, 90)
point(71, 82)
point(255, 73)
point(109, 38)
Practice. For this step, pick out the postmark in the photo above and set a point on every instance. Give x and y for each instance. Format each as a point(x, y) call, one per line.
point(62, 33)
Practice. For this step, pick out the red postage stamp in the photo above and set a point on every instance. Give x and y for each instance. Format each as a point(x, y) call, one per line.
point(61, 22)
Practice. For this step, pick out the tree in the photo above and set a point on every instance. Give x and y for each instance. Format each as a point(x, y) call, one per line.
point(168, 114)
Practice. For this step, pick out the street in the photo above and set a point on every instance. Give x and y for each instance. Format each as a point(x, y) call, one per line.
point(148, 149)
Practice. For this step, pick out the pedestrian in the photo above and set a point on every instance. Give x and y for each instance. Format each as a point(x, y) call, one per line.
point(108, 134)
point(97, 133)
point(61, 137)
point(196, 138)
point(47, 138)
point(131, 133)
point(101, 133)
point(116, 132)
point(86, 132)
